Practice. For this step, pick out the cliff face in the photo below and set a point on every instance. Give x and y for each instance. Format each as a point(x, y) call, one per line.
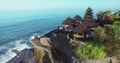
point(55, 46)
point(42, 49)
point(52, 48)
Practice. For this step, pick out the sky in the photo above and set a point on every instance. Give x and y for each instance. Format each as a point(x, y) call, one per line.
point(33, 5)
point(22, 10)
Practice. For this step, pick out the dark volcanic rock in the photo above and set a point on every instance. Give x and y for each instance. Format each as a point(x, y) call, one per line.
point(25, 56)
point(61, 44)
point(22, 42)
point(15, 51)
point(52, 48)
point(43, 50)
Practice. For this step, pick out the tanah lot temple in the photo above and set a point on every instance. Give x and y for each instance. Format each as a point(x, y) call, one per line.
point(80, 28)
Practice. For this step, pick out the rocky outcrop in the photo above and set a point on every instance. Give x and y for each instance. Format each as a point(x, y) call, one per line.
point(56, 46)
point(104, 60)
point(15, 51)
point(49, 48)
point(25, 56)
point(53, 47)
point(61, 43)
point(42, 48)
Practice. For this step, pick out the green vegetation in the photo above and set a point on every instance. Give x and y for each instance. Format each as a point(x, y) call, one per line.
point(100, 34)
point(90, 50)
point(109, 36)
point(116, 15)
point(106, 41)
point(106, 13)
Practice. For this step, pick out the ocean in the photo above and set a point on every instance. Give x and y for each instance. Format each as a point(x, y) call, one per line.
point(12, 35)
point(17, 27)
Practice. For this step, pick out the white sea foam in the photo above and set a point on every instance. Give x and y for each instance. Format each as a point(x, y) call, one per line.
point(8, 50)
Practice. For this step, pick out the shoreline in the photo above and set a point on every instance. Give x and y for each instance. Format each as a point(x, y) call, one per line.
point(21, 43)
point(106, 60)
point(69, 44)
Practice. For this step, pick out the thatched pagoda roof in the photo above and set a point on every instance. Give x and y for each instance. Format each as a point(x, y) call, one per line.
point(89, 12)
point(80, 28)
point(89, 19)
point(68, 21)
point(90, 23)
point(89, 9)
point(88, 15)
point(77, 18)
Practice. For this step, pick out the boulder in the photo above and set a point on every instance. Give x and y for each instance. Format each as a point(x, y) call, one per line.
point(24, 56)
point(22, 42)
point(104, 60)
point(42, 48)
point(15, 51)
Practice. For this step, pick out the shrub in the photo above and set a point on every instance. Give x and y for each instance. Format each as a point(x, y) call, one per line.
point(92, 51)
point(113, 38)
point(109, 36)
point(100, 34)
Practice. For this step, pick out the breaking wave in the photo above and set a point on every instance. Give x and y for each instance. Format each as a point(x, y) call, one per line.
point(6, 50)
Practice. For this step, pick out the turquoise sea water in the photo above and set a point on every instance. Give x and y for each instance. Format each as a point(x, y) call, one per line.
point(16, 27)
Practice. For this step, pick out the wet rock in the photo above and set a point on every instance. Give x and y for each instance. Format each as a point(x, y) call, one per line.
point(15, 51)
point(22, 42)
point(25, 56)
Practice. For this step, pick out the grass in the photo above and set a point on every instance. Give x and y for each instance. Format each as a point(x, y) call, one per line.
point(91, 51)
